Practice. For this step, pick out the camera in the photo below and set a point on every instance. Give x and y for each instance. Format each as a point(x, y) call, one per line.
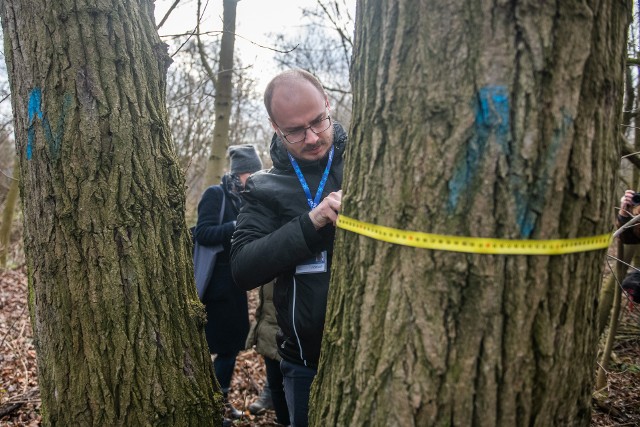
point(635, 199)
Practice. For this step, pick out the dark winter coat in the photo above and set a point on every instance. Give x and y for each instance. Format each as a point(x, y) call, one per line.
point(226, 304)
point(274, 234)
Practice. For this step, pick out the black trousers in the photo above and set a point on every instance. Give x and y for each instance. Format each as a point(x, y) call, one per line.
point(276, 386)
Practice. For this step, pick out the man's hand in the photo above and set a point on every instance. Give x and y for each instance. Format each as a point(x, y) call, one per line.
point(327, 211)
point(626, 203)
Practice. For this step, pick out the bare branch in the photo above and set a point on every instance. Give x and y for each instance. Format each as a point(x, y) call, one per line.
point(208, 33)
point(267, 47)
point(8, 176)
point(185, 42)
point(628, 152)
point(203, 55)
point(345, 39)
point(336, 90)
point(166, 16)
point(629, 224)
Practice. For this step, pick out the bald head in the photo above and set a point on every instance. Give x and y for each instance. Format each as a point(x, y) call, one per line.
point(297, 105)
point(286, 84)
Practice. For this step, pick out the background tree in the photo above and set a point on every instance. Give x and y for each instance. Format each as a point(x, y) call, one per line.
point(223, 82)
point(629, 131)
point(8, 167)
point(7, 217)
point(474, 119)
point(117, 324)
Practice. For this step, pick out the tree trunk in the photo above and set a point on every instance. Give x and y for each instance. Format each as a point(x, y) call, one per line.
point(224, 87)
point(7, 216)
point(477, 119)
point(117, 324)
point(627, 117)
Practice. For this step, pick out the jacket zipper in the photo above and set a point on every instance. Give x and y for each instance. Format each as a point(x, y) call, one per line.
point(293, 320)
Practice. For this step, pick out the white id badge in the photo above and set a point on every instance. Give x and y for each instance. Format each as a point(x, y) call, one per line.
point(316, 264)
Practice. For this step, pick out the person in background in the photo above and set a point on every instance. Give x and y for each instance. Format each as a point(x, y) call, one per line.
point(286, 227)
point(262, 337)
point(225, 304)
point(629, 207)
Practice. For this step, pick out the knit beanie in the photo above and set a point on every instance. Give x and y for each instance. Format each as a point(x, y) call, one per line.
point(244, 158)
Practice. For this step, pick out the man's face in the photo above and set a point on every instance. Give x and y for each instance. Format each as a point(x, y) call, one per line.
point(297, 105)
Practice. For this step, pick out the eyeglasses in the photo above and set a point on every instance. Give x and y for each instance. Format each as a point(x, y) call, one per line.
point(300, 134)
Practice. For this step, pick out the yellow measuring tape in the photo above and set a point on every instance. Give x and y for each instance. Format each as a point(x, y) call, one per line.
point(475, 245)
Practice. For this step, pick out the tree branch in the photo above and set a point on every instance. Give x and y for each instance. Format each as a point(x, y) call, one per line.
point(166, 16)
point(633, 61)
point(628, 152)
point(203, 55)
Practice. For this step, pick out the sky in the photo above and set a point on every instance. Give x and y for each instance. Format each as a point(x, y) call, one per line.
point(255, 20)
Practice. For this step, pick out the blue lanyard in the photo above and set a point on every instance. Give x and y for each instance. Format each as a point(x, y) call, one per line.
point(303, 182)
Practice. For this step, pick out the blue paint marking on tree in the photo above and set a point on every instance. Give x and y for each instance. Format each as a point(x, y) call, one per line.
point(53, 139)
point(35, 98)
point(494, 114)
point(492, 120)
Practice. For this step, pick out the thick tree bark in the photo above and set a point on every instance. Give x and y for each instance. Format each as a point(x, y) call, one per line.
point(117, 324)
point(490, 119)
point(224, 88)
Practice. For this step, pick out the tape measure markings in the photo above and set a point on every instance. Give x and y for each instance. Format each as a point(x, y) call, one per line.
point(480, 245)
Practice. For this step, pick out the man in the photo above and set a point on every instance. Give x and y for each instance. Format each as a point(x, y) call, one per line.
point(286, 228)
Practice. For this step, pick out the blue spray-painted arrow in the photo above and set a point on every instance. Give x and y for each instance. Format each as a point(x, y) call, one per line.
point(54, 140)
point(34, 110)
point(492, 118)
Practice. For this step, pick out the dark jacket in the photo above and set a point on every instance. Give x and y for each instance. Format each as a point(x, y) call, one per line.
point(631, 235)
point(226, 304)
point(274, 234)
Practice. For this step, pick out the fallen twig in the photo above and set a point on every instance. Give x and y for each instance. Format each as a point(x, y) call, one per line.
point(8, 408)
point(606, 407)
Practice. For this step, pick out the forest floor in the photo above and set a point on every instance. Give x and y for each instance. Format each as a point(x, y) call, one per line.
point(619, 404)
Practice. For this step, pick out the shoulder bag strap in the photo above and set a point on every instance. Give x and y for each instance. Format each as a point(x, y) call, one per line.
point(224, 199)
